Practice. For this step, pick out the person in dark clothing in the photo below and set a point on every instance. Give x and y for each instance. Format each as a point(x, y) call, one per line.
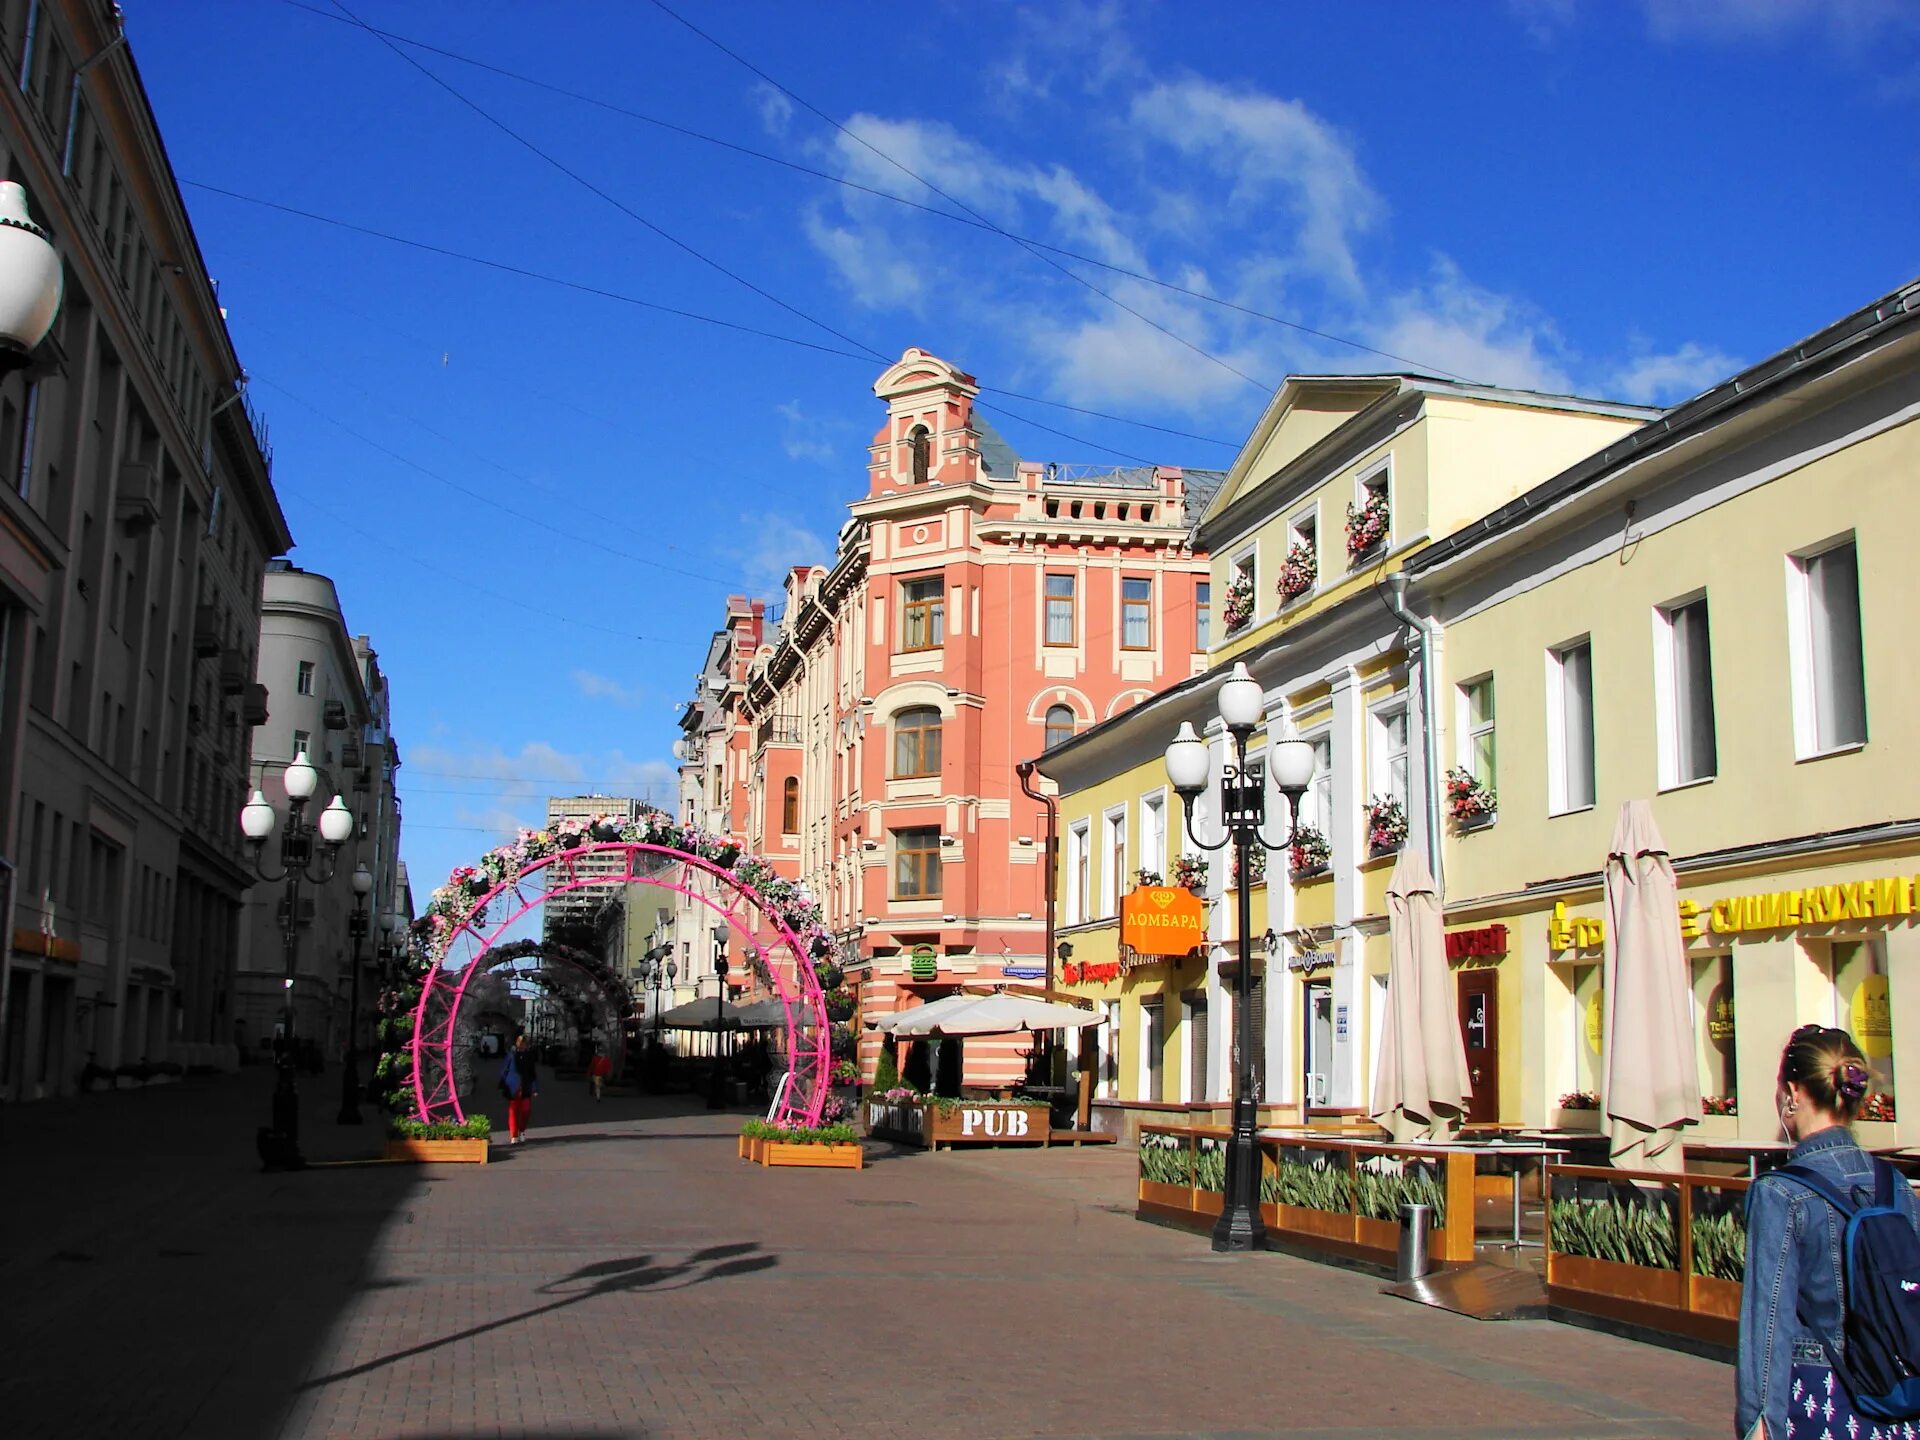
point(519, 1082)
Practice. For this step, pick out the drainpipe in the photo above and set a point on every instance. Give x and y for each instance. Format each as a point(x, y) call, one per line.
point(1429, 714)
point(1025, 771)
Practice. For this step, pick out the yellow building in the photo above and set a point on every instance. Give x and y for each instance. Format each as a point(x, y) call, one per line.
point(1711, 613)
point(1343, 481)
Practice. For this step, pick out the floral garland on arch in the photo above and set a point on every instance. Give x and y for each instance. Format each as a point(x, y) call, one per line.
point(455, 903)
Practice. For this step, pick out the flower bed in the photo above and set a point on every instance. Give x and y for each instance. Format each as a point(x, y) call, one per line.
point(440, 1141)
point(820, 1147)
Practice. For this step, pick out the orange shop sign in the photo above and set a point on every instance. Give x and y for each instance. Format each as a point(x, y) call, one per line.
point(1162, 920)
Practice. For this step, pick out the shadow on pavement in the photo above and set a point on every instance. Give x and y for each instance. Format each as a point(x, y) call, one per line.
point(626, 1276)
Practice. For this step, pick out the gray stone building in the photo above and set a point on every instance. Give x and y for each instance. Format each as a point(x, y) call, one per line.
point(136, 516)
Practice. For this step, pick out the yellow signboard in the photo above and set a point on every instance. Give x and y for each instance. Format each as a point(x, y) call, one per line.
point(1872, 1016)
point(1856, 900)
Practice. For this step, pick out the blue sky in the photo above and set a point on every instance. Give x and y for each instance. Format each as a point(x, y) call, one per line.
point(535, 499)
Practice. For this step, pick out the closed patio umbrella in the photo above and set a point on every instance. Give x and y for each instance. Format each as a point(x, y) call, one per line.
point(993, 1015)
point(1420, 1086)
point(1650, 1089)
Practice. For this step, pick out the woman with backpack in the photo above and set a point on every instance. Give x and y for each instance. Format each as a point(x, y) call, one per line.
point(519, 1082)
point(1831, 1236)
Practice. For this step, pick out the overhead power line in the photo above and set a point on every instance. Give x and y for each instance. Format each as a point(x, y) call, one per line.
point(621, 297)
point(892, 197)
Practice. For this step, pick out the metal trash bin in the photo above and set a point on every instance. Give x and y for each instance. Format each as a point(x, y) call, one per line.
point(1411, 1263)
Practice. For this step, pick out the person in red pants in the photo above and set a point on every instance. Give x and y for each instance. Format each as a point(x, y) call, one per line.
point(519, 1082)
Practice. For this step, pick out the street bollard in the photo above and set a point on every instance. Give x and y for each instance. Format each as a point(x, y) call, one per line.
point(1411, 1263)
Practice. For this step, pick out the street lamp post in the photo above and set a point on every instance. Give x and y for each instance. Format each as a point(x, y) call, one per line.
point(357, 924)
point(1243, 809)
point(717, 1098)
point(280, 1142)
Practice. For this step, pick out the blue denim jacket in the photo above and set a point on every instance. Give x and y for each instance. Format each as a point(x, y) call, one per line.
point(1790, 1311)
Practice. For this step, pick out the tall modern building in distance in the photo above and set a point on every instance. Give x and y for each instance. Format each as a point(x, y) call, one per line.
point(576, 908)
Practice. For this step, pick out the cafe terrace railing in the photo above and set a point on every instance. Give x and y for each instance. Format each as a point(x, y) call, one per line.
point(1342, 1197)
point(1648, 1248)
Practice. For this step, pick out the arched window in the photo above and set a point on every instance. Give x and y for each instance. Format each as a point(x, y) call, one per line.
point(921, 446)
point(916, 743)
point(790, 807)
point(1059, 725)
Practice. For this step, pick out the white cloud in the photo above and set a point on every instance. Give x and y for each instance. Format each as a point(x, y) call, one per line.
point(604, 687)
point(1475, 333)
point(875, 276)
point(1667, 378)
point(1271, 151)
point(776, 110)
point(1852, 24)
point(808, 437)
point(771, 546)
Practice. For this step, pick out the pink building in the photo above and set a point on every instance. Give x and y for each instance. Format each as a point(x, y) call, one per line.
point(979, 608)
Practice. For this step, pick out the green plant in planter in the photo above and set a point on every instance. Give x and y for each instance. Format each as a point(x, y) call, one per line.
point(886, 1073)
point(801, 1134)
point(1163, 1160)
point(1626, 1231)
point(1384, 1185)
point(1322, 1184)
point(474, 1127)
point(1210, 1166)
point(1719, 1243)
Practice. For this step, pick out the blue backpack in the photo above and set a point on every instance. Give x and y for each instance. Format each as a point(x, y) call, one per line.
point(1881, 1261)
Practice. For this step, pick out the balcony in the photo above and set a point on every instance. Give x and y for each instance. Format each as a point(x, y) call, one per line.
point(334, 715)
point(137, 507)
point(777, 730)
point(234, 678)
point(253, 708)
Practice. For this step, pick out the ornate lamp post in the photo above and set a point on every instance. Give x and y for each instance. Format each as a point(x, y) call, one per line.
point(30, 280)
point(1243, 808)
point(280, 1142)
point(357, 925)
point(720, 967)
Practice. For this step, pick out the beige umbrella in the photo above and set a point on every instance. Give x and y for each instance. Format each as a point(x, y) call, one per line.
point(917, 1015)
point(992, 1015)
point(1420, 1087)
point(1649, 1090)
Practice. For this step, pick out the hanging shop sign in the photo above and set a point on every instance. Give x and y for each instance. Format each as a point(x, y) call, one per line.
point(1162, 920)
point(1467, 944)
point(923, 963)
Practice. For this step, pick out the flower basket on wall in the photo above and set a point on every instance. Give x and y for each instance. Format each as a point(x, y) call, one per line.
point(1239, 608)
point(1312, 853)
point(1256, 862)
point(1386, 824)
point(1191, 872)
point(1471, 803)
point(1367, 524)
point(1299, 571)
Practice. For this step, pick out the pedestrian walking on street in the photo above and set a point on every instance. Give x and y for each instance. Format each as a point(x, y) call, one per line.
point(1812, 1315)
point(598, 1069)
point(519, 1082)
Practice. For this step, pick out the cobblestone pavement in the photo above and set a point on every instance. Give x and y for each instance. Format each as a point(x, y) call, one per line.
point(624, 1274)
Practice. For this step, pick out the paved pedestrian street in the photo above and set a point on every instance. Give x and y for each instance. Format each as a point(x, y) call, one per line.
point(623, 1273)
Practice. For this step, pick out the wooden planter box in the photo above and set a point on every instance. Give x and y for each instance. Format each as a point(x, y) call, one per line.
point(439, 1152)
point(1209, 1202)
point(1174, 1197)
point(987, 1122)
point(819, 1157)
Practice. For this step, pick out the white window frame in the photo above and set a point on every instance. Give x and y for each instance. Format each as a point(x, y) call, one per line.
point(1558, 799)
point(1246, 557)
point(1113, 826)
point(1466, 731)
point(1153, 834)
point(1380, 757)
point(1806, 717)
point(1079, 858)
point(1666, 695)
point(1318, 802)
point(303, 677)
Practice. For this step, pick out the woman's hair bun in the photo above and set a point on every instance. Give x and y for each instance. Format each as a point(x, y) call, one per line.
point(1850, 1079)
